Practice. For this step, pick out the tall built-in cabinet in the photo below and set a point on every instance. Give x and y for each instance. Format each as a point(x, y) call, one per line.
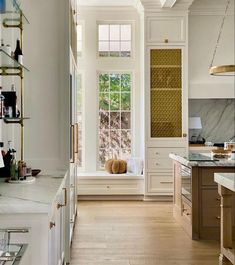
point(73, 81)
point(165, 98)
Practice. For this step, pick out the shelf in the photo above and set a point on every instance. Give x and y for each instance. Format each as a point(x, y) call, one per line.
point(14, 120)
point(11, 15)
point(166, 89)
point(9, 66)
point(166, 66)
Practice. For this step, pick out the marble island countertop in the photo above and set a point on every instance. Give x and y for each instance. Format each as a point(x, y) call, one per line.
point(30, 198)
point(198, 163)
point(226, 180)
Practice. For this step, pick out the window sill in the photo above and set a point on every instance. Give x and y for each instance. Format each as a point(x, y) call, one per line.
point(105, 175)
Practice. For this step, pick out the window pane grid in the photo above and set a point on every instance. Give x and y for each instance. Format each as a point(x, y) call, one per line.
point(114, 116)
point(114, 40)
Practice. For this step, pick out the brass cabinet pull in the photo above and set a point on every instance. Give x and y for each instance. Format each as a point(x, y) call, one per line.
point(72, 147)
point(157, 164)
point(166, 182)
point(108, 187)
point(51, 225)
point(218, 198)
point(218, 217)
point(166, 40)
point(76, 141)
point(185, 135)
point(65, 200)
point(157, 153)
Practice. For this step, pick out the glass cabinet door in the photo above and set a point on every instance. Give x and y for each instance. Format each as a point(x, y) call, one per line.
point(166, 93)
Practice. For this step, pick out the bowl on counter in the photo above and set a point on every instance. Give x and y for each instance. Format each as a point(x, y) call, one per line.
point(35, 172)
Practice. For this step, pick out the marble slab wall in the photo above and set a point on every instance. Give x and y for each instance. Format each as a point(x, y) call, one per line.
point(217, 116)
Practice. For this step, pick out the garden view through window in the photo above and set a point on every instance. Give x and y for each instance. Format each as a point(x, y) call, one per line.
point(114, 116)
point(114, 40)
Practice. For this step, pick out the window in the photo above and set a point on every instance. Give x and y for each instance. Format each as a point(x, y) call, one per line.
point(114, 40)
point(114, 116)
point(79, 40)
point(79, 119)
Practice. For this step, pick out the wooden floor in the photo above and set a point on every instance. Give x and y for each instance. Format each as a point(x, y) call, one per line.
point(135, 233)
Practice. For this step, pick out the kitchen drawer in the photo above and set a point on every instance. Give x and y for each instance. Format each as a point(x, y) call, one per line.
point(160, 152)
point(160, 183)
point(154, 164)
point(210, 198)
point(187, 211)
point(211, 217)
point(207, 175)
point(94, 187)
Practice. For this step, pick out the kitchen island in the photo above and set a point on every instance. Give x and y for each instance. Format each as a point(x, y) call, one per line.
point(196, 203)
point(42, 208)
point(226, 189)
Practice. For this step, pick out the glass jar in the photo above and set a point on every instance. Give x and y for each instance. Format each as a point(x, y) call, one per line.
point(2, 98)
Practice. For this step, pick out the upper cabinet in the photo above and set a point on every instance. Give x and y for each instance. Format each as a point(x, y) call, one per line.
point(166, 93)
point(166, 29)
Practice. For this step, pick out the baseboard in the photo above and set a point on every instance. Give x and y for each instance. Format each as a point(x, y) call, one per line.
point(159, 198)
point(110, 197)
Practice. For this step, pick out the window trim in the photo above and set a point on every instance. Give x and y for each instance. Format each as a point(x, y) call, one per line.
point(116, 22)
point(82, 73)
point(131, 72)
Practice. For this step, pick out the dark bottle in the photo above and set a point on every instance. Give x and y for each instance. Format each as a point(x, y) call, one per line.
point(18, 51)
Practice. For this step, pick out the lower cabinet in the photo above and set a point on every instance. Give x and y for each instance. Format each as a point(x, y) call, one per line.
point(48, 225)
point(200, 215)
point(158, 170)
point(57, 229)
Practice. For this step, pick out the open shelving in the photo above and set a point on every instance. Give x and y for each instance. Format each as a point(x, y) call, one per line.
point(12, 17)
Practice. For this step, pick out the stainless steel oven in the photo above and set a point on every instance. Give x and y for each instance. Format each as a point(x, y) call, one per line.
point(186, 182)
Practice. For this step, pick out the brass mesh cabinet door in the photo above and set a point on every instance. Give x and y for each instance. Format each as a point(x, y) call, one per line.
point(166, 93)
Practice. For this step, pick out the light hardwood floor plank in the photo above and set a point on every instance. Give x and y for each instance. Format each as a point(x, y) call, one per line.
point(135, 233)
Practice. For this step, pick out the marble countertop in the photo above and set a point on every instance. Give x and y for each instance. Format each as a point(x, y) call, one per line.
point(185, 161)
point(30, 198)
point(226, 180)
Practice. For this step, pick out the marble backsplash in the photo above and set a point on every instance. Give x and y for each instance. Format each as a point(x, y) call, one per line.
point(217, 116)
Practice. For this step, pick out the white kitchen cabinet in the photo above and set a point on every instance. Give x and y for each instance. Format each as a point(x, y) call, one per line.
point(166, 29)
point(43, 208)
point(166, 101)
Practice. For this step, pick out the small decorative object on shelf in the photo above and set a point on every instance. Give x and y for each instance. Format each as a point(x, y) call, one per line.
point(116, 166)
point(18, 55)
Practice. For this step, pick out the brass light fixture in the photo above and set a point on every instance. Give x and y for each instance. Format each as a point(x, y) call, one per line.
point(221, 70)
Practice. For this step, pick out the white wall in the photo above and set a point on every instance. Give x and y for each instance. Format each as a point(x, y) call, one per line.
point(90, 64)
point(203, 33)
point(45, 54)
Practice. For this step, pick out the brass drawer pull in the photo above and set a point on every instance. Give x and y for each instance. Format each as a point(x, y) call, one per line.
point(51, 225)
point(65, 200)
point(108, 187)
point(166, 182)
point(157, 153)
point(157, 164)
point(218, 217)
point(218, 198)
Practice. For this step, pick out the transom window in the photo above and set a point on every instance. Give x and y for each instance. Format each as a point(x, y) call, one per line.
point(79, 40)
point(114, 116)
point(114, 40)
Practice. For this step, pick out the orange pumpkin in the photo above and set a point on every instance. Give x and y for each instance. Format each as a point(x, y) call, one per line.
point(116, 166)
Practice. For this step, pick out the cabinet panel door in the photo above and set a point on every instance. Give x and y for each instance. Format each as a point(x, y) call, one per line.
point(160, 29)
point(160, 183)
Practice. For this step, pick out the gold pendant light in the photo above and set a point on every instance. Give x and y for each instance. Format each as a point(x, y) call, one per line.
point(221, 70)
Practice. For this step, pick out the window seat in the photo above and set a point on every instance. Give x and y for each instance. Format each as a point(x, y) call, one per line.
point(103, 183)
point(106, 175)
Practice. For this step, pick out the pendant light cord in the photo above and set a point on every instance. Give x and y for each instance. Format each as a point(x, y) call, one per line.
point(220, 32)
